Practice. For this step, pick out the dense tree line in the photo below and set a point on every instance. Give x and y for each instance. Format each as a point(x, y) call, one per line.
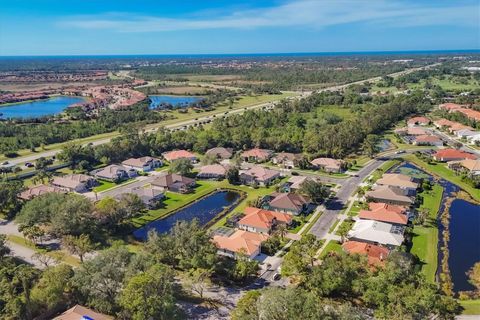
point(300, 126)
point(345, 287)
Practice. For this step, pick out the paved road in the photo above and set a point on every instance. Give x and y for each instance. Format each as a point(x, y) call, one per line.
point(452, 140)
point(336, 205)
point(180, 125)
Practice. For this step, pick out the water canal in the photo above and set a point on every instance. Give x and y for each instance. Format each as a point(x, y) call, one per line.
point(204, 210)
point(464, 241)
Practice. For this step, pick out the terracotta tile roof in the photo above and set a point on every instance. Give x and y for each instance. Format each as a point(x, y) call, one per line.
point(470, 164)
point(444, 123)
point(170, 179)
point(470, 113)
point(71, 180)
point(240, 240)
point(261, 173)
point(261, 218)
point(416, 132)
point(220, 152)
point(257, 153)
point(287, 156)
point(450, 106)
point(327, 162)
point(138, 162)
point(453, 154)
point(419, 120)
point(385, 212)
point(290, 201)
point(178, 154)
point(376, 255)
point(36, 191)
point(78, 312)
point(397, 180)
point(386, 193)
point(458, 126)
point(213, 169)
point(427, 139)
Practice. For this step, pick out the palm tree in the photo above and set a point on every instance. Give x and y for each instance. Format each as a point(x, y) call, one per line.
point(281, 230)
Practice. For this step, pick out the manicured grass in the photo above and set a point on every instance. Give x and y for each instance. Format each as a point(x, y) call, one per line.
point(311, 223)
point(470, 307)
point(174, 201)
point(377, 174)
point(65, 257)
point(442, 171)
point(333, 226)
point(107, 185)
point(355, 209)
point(332, 246)
point(425, 238)
point(323, 173)
point(301, 221)
point(344, 113)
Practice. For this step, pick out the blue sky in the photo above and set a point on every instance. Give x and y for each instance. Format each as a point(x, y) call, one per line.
point(78, 27)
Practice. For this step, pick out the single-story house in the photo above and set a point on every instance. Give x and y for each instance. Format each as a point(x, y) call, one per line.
point(385, 213)
point(257, 155)
point(262, 221)
point(240, 241)
point(449, 106)
point(144, 164)
point(39, 190)
point(457, 127)
point(376, 255)
point(259, 175)
point(174, 182)
point(74, 182)
point(406, 184)
point(79, 312)
point(470, 166)
point(180, 154)
point(423, 121)
point(295, 182)
point(427, 140)
point(115, 172)
point(213, 171)
point(465, 133)
point(291, 203)
point(150, 196)
point(389, 195)
point(376, 232)
point(443, 123)
point(287, 160)
point(445, 155)
point(469, 113)
point(327, 164)
point(220, 152)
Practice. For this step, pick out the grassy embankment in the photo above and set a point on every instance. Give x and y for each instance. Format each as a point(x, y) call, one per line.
point(425, 238)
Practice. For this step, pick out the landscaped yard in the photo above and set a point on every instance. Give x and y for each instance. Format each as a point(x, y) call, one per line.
point(441, 170)
point(377, 174)
point(332, 246)
point(106, 185)
point(345, 227)
point(470, 306)
point(425, 238)
point(355, 209)
point(333, 226)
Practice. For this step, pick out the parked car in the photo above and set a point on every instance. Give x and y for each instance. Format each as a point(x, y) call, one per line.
point(5, 163)
point(400, 152)
point(29, 165)
point(276, 276)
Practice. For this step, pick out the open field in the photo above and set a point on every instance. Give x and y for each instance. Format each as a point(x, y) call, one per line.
point(425, 238)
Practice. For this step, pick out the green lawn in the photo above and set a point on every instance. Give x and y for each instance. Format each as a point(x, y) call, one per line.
point(332, 246)
point(442, 171)
point(470, 307)
point(425, 238)
point(106, 185)
point(311, 223)
point(355, 209)
point(333, 226)
point(377, 174)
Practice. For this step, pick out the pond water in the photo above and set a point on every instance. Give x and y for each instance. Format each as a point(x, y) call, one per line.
point(204, 210)
point(162, 102)
point(40, 108)
point(464, 244)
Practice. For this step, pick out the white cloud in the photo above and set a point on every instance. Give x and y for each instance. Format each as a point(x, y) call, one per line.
point(301, 13)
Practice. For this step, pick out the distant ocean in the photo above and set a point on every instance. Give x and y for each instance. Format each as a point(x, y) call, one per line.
point(247, 55)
